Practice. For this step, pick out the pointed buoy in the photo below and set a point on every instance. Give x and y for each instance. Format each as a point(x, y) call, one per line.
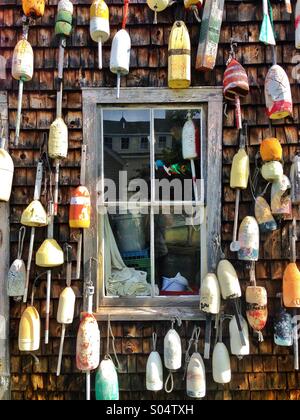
point(266, 32)
point(34, 215)
point(16, 278)
point(49, 254)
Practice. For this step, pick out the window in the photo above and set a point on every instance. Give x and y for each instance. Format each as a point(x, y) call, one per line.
point(125, 143)
point(144, 143)
point(108, 142)
point(154, 235)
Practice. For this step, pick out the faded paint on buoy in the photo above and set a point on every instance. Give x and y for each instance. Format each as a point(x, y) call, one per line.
point(272, 171)
point(99, 21)
point(228, 280)
point(281, 203)
point(22, 61)
point(283, 329)
point(291, 286)
point(64, 18)
point(257, 311)
point(210, 295)
point(221, 368)
point(33, 8)
point(66, 306)
point(263, 215)
point(80, 208)
point(154, 372)
point(179, 63)
point(58, 139)
point(195, 377)
point(248, 239)
point(49, 254)
point(29, 330)
point(236, 347)
point(240, 170)
point(107, 383)
point(278, 94)
point(88, 344)
point(34, 215)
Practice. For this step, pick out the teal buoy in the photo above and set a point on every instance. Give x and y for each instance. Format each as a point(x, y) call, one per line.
point(107, 384)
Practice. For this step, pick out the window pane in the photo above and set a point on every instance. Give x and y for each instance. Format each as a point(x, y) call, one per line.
point(126, 164)
point(172, 172)
point(177, 253)
point(127, 264)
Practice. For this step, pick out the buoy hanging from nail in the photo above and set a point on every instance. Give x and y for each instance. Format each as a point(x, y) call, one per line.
point(172, 356)
point(271, 150)
point(221, 368)
point(154, 369)
point(16, 277)
point(179, 61)
point(22, 70)
point(248, 240)
point(210, 302)
point(33, 8)
point(159, 6)
point(120, 51)
point(99, 25)
point(257, 309)
point(281, 203)
point(107, 383)
point(295, 180)
point(267, 32)
point(195, 370)
point(239, 176)
point(272, 171)
point(236, 348)
point(278, 94)
point(235, 84)
point(263, 215)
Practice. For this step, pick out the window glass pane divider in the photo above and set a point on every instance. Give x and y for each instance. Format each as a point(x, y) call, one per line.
point(152, 175)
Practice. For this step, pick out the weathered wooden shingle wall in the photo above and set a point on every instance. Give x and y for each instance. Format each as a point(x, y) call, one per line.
point(268, 373)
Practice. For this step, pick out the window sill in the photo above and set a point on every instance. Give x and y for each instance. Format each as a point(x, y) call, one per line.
point(148, 314)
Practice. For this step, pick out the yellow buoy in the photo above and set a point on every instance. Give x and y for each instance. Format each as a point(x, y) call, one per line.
point(99, 25)
point(49, 254)
point(58, 140)
point(22, 61)
point(240, 169)
point(30, 330)
point(34, 215)
point(179, 67)
point(270, 149)
point(33, 8)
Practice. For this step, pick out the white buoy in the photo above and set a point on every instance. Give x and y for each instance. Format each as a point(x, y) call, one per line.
point(154, 369)
point(236, 347)
point(120, 56)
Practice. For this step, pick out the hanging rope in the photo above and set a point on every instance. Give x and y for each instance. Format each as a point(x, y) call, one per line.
point(125, 14)
point(193, 340)
point(22, 233)
point(170, 379)
point(108, 356)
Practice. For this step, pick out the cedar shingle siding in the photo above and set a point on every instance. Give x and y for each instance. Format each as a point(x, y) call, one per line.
point(268, 373)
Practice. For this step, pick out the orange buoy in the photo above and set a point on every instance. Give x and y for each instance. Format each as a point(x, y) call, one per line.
point(80, 208)
point(270, 149)
point(291, 286)
point(33, 8)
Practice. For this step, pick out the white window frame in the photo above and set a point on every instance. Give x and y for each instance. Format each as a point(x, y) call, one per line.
point(210, 100)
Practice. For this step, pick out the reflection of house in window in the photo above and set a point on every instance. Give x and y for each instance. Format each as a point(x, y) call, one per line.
point(125, 143)
point(144, 143)
point(108, 142)
point(162, 142)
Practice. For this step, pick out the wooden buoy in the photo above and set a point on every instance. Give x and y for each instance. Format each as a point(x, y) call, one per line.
point(209, 34)
point(257, 309)
point(88, 343)
point(272, 171)
point(266, 32)
point(64, 18)
point(179, 63)
point(99, 25)
point(249, 239)
point(278, 94)
point(270, 149)
point(16, 277)
point(80, 208)
point(58, 139)
point(34, 215)
point(263, 215)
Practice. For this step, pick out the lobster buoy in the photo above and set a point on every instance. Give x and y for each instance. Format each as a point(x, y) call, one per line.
point(99, 25)
point(6, 174)
point(281, 203)
point(236, 347)
point(270, 149)
point(210, 296)
point(58, 140)
point(291, 286)
point(248, 239)
point(283, 329)
point(34, 215)
point(191, 147)
point(228, 280)
point(179, 62)
point(30, 330)
point(49, 254)
point(107, 383)
point(295, 180)
point(263, 215)
point(66, 306)
point(154, 369)
point(297, 25)
point(80, 208)
point(33, 8)
point(88, 343)
point(16, 278)
point(158, 6)
point(257, 310)
point(272, 171)
point(221, 368)
point(172, 355)
point(278, 94)
point(235, 85)
point(22, 61)
point(195, 377)
point(120, 56)
point(64, 18)
point(240, 170)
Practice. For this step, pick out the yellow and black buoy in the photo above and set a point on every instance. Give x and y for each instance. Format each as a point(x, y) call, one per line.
point(179, 64)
